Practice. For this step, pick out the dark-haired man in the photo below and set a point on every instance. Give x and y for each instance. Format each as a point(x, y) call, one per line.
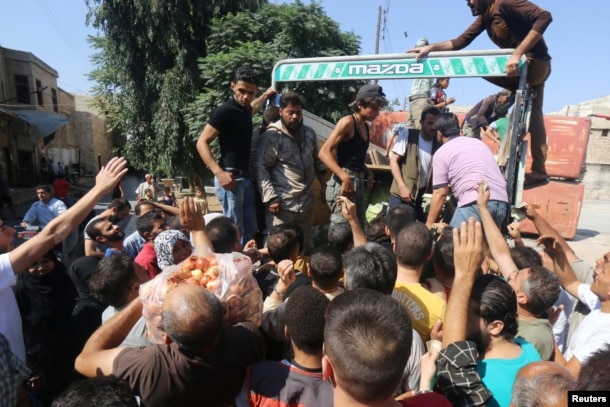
point(118, 209)
point(204, 362)
point(350, 139)
point(536, 287)
point(149, 226)
point(295, 380)
point(15, 260)
point(413, 247)
point(231, 123)
point(519, 25)
point(411, 163)
point(45, 210)
point(103, 231)
point(487, 111)
point(461, 162)
point(479, 330)
point(287, 166)
point(366, 369)
point(114, 282)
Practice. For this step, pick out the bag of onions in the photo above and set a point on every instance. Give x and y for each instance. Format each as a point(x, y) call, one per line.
point(228, 276)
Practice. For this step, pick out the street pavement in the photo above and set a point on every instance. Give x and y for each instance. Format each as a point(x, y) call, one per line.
point(592, 238)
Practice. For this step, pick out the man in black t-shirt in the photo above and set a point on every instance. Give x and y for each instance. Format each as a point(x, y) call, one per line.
point(232, 124)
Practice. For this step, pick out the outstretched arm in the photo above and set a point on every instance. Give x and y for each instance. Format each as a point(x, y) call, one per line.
point(545, 229)
point(191, 218)
point(60, 227)
point(497, 245)
point(348, 209)
point(561, 265)
point(103, 346)
point(436, 205)
point(467, 255)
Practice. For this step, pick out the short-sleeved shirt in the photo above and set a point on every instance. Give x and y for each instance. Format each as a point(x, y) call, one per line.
point(162, 375)
point(61, 187)
point(424, 308)
point(461, 163)
point(424, 149)
point(147, 258)
point(234, 122)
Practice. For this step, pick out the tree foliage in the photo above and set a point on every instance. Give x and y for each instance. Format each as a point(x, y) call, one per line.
point(163, 66)
point(262, 38)
point(147, 71)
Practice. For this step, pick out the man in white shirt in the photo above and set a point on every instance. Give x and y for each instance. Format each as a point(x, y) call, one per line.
point(593, 332)
point(411, 163)
point(14, 260)
point(149, 183)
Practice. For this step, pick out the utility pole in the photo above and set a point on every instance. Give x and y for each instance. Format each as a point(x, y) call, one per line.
point(377, 35)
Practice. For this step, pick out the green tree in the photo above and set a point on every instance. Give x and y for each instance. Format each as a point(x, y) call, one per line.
point(147, 72)
point(262, 38)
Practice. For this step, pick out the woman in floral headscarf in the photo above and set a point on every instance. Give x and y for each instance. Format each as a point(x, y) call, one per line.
point(172, 247)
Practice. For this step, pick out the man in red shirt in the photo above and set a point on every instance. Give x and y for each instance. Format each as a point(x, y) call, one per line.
point(61, 187)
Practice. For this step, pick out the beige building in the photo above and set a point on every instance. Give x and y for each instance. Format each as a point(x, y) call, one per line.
point(39, 121)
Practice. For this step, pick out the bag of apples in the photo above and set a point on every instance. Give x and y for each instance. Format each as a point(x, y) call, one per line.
point(228, 276)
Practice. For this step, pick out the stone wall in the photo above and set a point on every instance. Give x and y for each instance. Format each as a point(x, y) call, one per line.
point(94, 140)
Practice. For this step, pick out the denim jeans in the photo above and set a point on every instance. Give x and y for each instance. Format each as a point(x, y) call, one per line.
point(498, 210)
point(238, 204)
point(393, 201)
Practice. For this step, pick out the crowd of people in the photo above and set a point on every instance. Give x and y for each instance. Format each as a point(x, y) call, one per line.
point(422, 305)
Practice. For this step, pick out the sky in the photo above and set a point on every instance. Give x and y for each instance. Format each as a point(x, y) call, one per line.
point(55, 31)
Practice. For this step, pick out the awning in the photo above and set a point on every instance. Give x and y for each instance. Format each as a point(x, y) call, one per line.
point(42, 123)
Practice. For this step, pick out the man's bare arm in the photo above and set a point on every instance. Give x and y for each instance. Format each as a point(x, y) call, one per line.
point(60, 227)
point(467, 254)
point(545, 229)
point(436, 206)
point(348, 209)
point(103, 346)
point(191, 218)
point(561, 265)
point(497, 245)
point(259, 102)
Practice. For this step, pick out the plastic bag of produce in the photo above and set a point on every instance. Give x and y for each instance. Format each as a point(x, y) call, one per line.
point(228, 276)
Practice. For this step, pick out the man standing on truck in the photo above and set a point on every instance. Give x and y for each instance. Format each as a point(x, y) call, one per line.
point(350, 140)
point(517, 24)
point(231, 123)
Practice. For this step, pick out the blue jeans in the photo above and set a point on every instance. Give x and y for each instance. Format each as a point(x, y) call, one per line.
point(497, 209)
point(239, 205)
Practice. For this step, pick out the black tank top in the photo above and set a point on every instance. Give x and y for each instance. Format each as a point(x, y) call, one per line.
point(352, 153)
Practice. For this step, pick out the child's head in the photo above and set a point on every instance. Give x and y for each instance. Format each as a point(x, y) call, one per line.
point(325, 267)
point(167, 190)
point(198, 192)
point(172, 247)
point(148, 192)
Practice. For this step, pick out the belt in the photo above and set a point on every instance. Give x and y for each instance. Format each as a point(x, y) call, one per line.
point(415, 97)
point(352, 173)
point(237, 173)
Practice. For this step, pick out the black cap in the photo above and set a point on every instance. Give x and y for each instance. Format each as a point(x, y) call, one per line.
point(370, 90)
